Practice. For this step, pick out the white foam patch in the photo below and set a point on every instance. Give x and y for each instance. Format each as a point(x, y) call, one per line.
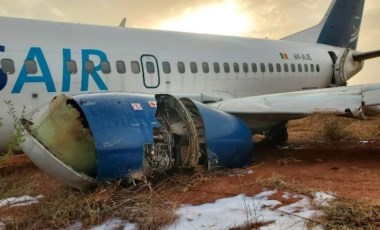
point(225, 213)
point(19, 201)
point(322, 199)
point(242, 210)
point(116, 224)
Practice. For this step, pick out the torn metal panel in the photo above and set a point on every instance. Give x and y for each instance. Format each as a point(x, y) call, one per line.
point(53, 166)
point(61, 129)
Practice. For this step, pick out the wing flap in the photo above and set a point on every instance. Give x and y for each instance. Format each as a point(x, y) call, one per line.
point(344, 101)
point(371, 97)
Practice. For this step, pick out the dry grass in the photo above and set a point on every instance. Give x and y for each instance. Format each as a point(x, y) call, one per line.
point(141, 205)
point(4, 158)
point(342, 214)
point(335, 130)
point(277, 182)
point(147, 204)
point(144, 204)
point(321, 127)
point(350, 214)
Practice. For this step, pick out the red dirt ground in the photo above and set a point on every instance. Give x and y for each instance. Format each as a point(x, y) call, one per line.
point(349, 167)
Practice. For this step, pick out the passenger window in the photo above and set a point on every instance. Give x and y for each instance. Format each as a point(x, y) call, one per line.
point(89, 66)
point(270, 67)
point(286, 67)
point(245, 67)
point(306, 68)
point(318, 68)
point(8, 66)
point(31, 66)
point(205, 67)
point(181, 67)
point(135, 66)
point(150, 67)
point(262, 67)
point(71, 67)
point(106, 67)
point(300, 68)
point(254, 67)
point(312, 68)
point(193, 67)
point(120, 67)
point(166, 67)
point(216, 67)
point(293, 67)
point(226, 67)
point(236, 67)
point(278, 67)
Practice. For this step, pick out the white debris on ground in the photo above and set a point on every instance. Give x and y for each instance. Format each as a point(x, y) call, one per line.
point(19, 201)
point(259, 210)
point(322, 199)
point(250, 172)
point(108, 225)
point(116, 224)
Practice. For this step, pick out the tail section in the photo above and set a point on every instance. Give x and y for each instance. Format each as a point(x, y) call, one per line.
point(340, 27)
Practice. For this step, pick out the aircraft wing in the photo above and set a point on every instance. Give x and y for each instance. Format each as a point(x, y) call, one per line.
point(272, 108)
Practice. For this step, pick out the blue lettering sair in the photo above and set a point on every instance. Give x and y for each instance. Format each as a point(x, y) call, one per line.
point(36, 54)
point(66, 76)
point(85, 75)
point(3, 76)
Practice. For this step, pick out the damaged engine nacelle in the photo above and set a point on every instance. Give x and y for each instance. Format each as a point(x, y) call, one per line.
point(346, 67)
point(86, 139)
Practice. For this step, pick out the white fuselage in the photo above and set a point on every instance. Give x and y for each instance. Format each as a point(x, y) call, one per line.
point(56, 48)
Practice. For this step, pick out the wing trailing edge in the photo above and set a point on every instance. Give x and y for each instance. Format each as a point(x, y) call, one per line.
point(344, 101)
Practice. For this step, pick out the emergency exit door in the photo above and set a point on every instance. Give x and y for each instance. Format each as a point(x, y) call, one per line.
point(150, 71)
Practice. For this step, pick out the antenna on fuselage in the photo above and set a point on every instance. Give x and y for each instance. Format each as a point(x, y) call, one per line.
point(123, 22)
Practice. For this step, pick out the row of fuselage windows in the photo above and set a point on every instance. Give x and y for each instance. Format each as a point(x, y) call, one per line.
point(8, 67)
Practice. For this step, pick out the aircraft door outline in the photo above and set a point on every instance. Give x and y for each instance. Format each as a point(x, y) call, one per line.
point(150, 71)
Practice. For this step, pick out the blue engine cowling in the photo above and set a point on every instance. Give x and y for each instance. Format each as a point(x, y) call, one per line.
point(129, 136)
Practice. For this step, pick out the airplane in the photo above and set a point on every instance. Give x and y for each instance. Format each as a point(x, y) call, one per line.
point(109, 103)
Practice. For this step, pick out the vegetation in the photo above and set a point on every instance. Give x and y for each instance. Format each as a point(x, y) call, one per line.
point(18, 137)
point(342, 214)
point(277, 182)
point(145, 204)
point(350, 214)
point(334, 130)
point(148, 204)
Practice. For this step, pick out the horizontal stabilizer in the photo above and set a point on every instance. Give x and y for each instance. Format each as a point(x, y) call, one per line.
point(366, 55)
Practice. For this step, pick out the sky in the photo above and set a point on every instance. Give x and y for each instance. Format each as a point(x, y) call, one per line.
point(271, 19)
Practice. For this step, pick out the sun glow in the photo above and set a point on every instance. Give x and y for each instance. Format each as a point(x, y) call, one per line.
point(225, 18)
